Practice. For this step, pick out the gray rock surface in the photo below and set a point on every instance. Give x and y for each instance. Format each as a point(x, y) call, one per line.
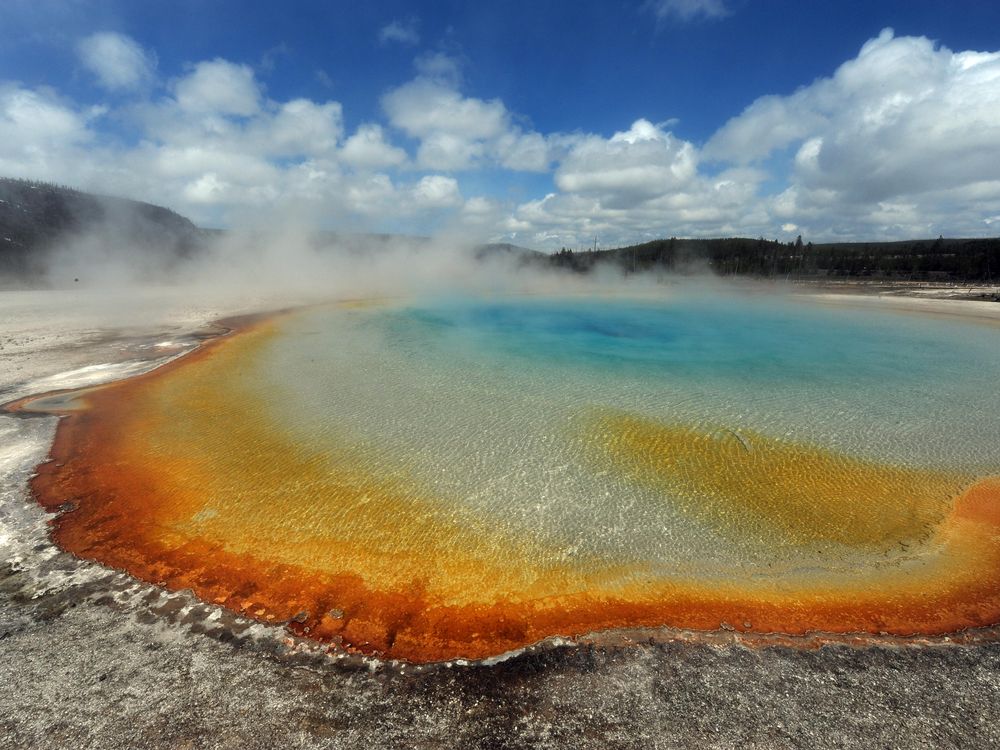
point(77, 671)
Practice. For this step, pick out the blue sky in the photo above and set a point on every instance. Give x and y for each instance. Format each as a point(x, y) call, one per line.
point(544, 123)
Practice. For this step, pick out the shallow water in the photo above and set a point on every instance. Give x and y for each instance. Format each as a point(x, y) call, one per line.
point(461, 476)
point(488, 402)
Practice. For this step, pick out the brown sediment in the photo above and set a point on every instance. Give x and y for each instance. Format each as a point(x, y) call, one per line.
point(178, 486)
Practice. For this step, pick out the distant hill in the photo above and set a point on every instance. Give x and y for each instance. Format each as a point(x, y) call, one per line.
point(957, 260)
point(37, 218)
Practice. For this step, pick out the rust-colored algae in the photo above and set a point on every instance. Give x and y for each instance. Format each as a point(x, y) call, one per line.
point(383, 568)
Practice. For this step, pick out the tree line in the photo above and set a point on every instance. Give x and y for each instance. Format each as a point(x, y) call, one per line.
point(911, 260)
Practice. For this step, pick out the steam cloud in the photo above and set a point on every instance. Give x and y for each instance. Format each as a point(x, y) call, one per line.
point(294, 262)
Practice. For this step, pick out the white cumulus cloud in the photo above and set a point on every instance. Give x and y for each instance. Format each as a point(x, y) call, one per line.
point(299, 127)
point(458, 132)
point(437, 191)
point(367, 148)
point(425, 107)
point(902, 140)
point(118, 61)
point(631, 166)
point(40, 135)
point(894, 138)
point(219, 87)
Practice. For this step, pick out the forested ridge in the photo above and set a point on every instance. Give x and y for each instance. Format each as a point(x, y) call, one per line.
point(940, 259)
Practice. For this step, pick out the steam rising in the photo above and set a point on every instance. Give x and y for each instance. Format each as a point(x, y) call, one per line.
point(293, 262)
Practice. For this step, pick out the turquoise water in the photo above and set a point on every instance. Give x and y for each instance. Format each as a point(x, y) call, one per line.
point(772, 343)
point(823, 373)
point(483, 401)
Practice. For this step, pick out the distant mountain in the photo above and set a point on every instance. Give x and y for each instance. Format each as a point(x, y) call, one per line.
point(37, 218)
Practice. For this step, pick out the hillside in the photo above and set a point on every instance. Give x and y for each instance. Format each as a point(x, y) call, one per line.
point(37, 218)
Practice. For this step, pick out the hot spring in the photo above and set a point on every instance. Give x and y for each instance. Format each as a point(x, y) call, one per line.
point(459, 477)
